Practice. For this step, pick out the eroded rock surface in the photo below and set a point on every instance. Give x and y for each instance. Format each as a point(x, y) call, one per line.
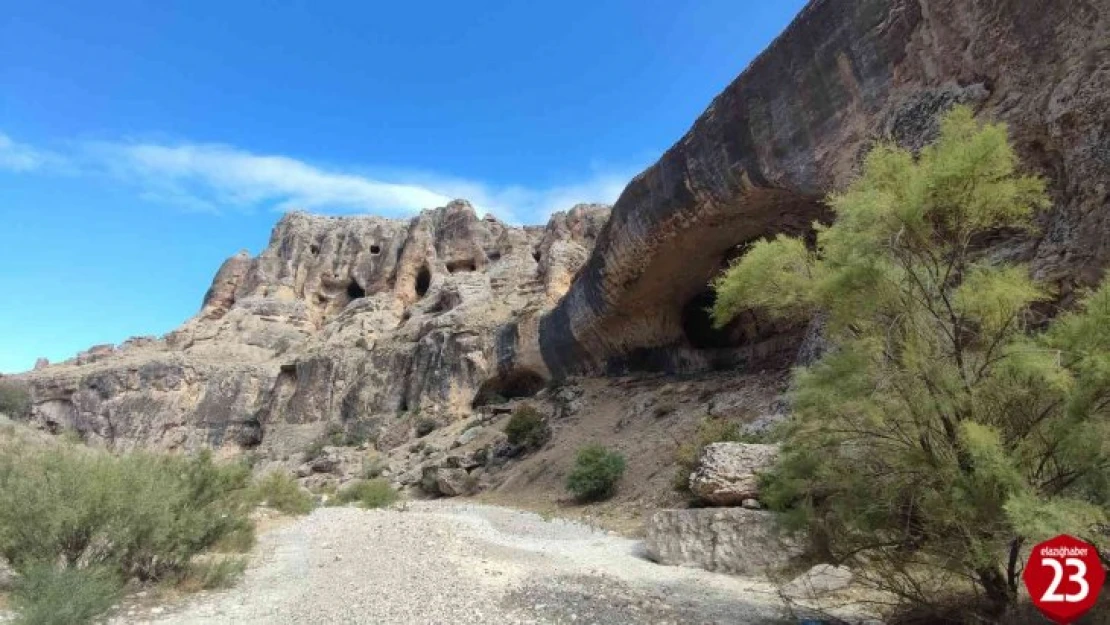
point(795, 125)
point(728, 473)
point(355, 324)
point(727, 540)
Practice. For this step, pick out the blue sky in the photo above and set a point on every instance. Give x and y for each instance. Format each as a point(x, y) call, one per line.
point(141, 143)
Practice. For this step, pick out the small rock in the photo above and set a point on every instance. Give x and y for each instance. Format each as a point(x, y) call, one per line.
point(751, 504)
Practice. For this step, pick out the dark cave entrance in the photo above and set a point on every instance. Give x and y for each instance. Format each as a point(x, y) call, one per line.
point(697, 324)
point(375, 250)
point(461, 265)
point(513, 385)
point(423, 281)
point(354, 290)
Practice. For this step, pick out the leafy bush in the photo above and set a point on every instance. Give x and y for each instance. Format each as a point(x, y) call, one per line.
point(595, 474)
point(710, 430)
point(137, 515)
point(940, 433)
point(527, 428)
point(47, 595)
point(15, 399)
point(281, 492)
point(425, 426)
point(367, 493)
point(373, 466)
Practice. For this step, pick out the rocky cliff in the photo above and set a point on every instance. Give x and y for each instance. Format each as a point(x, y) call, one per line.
point(356, 321)
point(795, 125)
point(345, 322)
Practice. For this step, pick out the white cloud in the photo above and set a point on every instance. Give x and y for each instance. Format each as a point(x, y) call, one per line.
point(213, 177)
point(21, 157)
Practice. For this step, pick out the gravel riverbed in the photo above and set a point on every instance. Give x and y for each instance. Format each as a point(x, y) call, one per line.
point(445, 562)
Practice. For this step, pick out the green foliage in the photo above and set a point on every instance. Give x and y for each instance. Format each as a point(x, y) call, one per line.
point(281, 492)
point(375, 493)
point(940, 432)
point(595, 474)
point(47, 595)
point(140, 515)
point(527, 428)
point(15, 399)
point(212, 573)
point(710, 430)
point(425, 426)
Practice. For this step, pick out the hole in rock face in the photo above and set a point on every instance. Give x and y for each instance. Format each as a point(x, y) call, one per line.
point(697, 324)
point(315, 249)
point(423, 281)
point(494, 257)
point(513, 385)
point(461, 265)
point(375, 249)
point(354, 291)
point(536, 256)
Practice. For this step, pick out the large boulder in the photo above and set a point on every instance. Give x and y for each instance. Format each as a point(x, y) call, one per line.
point(727, 540)
point(453, 482)
point(728, 473)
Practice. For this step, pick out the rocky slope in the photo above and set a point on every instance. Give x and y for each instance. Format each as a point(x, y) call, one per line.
point(370, 324)
point(349, 322)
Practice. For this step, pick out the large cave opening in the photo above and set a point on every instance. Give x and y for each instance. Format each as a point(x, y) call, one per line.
point(423, 281)
point(697, 324)
point(354, 290)
point(512, 385)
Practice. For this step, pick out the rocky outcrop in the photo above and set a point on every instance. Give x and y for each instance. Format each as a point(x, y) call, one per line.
point(794, 126)
point(728, 473)
point(360, 323)
point(728, 540)
point(348, 324)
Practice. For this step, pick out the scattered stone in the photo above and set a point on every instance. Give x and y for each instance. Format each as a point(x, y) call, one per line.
point(751, 504)
point(453, 482)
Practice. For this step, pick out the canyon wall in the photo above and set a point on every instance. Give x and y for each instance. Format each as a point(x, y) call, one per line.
point(367, 324)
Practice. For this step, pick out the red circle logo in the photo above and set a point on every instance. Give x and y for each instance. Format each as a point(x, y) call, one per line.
point(1064, 577)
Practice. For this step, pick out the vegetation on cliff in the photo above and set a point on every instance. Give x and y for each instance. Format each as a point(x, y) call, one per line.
point(948, 426)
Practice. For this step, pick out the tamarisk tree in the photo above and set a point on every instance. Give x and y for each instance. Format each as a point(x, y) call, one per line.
point(948, 425)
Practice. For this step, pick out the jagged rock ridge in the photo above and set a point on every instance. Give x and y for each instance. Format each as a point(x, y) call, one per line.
point(347, 321)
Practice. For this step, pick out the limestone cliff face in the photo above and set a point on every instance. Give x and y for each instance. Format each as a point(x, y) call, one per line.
point(344, 322)
point(795, 124)
point(357, 321)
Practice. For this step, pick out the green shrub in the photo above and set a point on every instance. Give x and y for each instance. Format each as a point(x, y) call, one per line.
point(946, 428)
point(595, 474)
point(15, 399)
point(315, 449)
point(710, 430)
point(527, 428)
point(373, 466)
point(367, 493)
point(212, 573)
point(141, 515)
point(281, 492)
point(425, 426)
point(46, 595)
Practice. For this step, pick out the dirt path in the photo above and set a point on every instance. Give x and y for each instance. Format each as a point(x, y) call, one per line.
point(440, 562)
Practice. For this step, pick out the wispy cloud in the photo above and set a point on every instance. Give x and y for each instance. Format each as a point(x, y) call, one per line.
point(22, 157)
point(214, 177)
